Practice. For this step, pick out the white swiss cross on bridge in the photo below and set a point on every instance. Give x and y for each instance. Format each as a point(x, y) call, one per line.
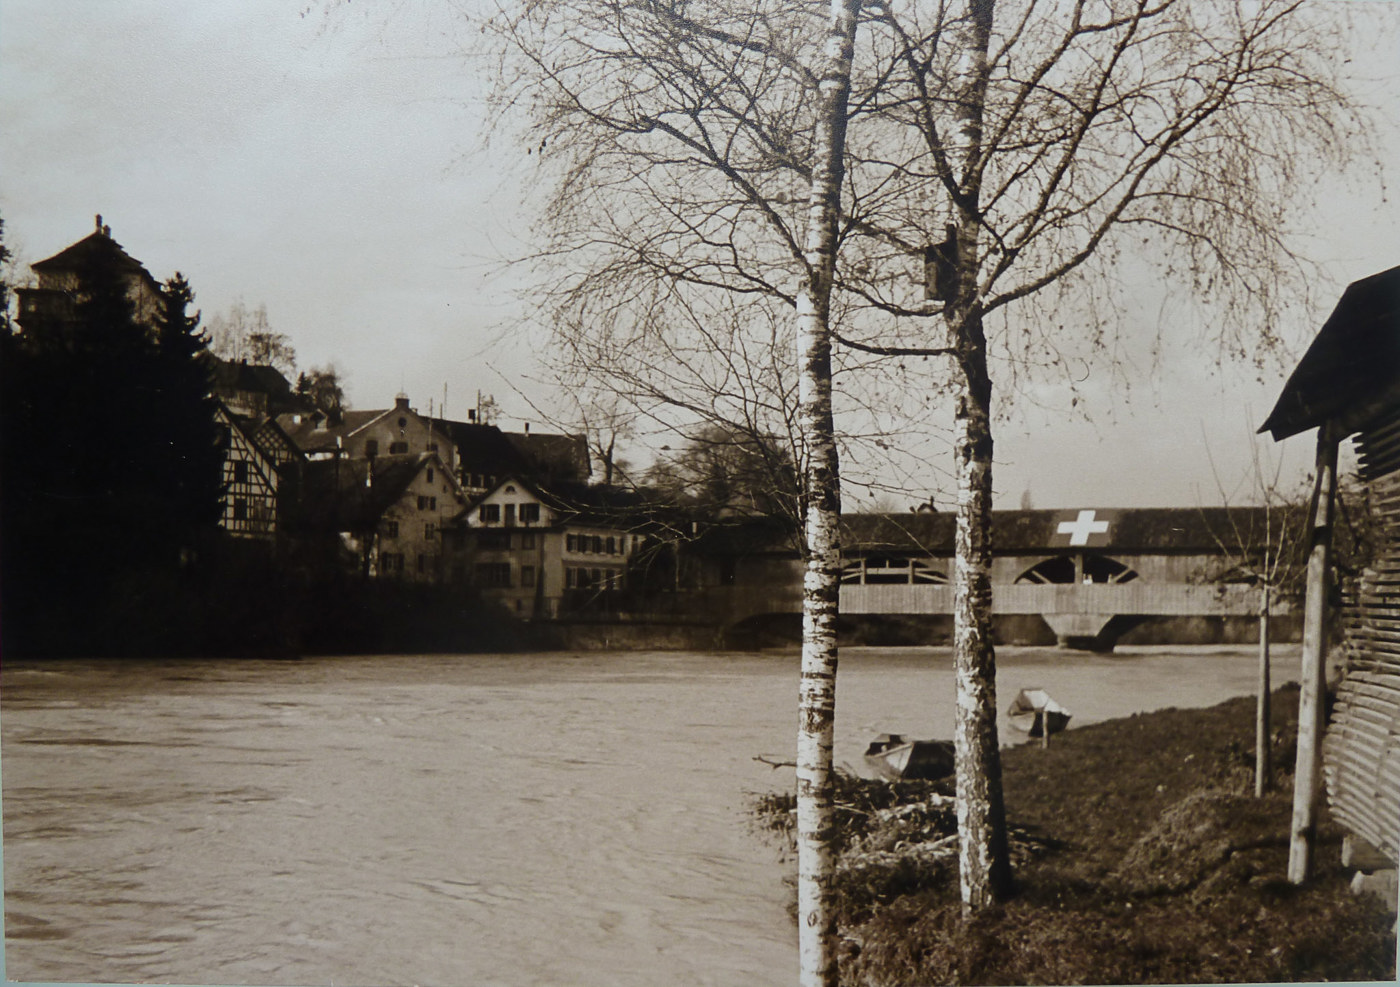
point(1082, 527)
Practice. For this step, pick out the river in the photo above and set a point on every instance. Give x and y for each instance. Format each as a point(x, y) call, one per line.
point(518, 820)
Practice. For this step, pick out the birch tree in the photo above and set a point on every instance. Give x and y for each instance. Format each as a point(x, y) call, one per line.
point(821, 586)
point(1009, 166)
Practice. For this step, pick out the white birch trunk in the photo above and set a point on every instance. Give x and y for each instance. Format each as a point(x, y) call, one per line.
point(984, 862)
point(822, 582)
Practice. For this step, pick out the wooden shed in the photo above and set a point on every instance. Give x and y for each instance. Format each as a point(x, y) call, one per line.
point(1348, 385)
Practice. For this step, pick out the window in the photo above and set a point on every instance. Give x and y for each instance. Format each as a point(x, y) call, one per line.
point(493, 541)
point(570, 543)
point(403, 424)
point(240, 471)
point(430, 531)
point(391, 529)
point(527, 576)
point(391, 562)
point(529, 513)
point(527, 540)
point(494, 575)
point(490, 513)
point(398, 448)
point(598, 544)
point(422, 563)
point(510, 515)
point(612, 546)
point(430, 474)
point(371, 447)
point(240, 509)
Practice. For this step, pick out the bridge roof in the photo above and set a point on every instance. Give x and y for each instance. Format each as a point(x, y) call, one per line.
point(1170, 530)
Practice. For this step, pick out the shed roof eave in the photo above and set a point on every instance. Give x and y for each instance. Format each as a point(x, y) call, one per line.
point(1348, 420)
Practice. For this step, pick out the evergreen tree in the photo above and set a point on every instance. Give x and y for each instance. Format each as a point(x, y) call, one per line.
point(192, 457)
point(111, 468)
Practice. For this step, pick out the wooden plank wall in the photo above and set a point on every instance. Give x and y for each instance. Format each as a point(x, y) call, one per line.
point(1361, 753)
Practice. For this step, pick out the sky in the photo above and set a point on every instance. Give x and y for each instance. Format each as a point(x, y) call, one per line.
point(326, 160)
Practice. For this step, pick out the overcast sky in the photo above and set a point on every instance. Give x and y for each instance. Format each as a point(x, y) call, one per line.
point(328, 165)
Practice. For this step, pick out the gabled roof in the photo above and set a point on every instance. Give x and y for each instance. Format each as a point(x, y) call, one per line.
point(1170, 530)
point(559, 457)
point(1353, 362)
point(547, 457)
point(313, 433)
point(97, 245)
point(483, 448)
point(256, 378)
point(353, 494)
point(602, 507)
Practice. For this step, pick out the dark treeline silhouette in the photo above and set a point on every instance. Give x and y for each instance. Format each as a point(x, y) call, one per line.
point(111, 493)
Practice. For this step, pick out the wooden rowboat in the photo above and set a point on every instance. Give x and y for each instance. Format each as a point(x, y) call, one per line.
point(893, 758)
point(1036, 714)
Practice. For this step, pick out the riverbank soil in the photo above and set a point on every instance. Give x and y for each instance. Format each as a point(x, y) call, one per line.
point(1141, 856)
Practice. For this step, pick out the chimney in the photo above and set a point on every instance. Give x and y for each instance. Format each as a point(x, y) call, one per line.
point(471, 415)
point(401, 402)
point(527, 428)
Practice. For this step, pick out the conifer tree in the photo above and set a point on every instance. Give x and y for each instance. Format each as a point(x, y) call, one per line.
point(192, 458)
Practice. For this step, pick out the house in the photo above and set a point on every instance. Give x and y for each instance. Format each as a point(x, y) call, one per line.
point(1348, 385)
point(251, 480)
point(485, 455)
point(253, 390)
point(387, 514)
point(396, 431)
point(48, 308)
point(542, 554)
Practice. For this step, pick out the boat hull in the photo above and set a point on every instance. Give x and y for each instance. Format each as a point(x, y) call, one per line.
point(1034, 713)
point(895, 759)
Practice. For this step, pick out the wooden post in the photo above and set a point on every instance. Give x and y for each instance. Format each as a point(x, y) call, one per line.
point(1307, 775)
point(1263, 762)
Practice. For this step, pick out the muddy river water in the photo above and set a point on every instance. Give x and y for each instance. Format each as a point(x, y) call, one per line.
point(440, 819)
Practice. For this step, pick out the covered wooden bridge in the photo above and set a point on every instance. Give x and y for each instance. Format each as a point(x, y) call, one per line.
point(1088, 573)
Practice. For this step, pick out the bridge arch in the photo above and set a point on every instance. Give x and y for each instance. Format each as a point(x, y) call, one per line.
point(1080, 567)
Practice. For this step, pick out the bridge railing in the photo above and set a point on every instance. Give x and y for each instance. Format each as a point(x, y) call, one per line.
point(1137, 597)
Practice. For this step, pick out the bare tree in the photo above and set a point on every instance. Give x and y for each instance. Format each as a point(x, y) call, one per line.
point(725, 472)
point(1263, 548)
point(242, 334)
point(1004, 162)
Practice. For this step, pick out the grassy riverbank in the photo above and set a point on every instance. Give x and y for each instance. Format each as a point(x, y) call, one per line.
point(1141, 857)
